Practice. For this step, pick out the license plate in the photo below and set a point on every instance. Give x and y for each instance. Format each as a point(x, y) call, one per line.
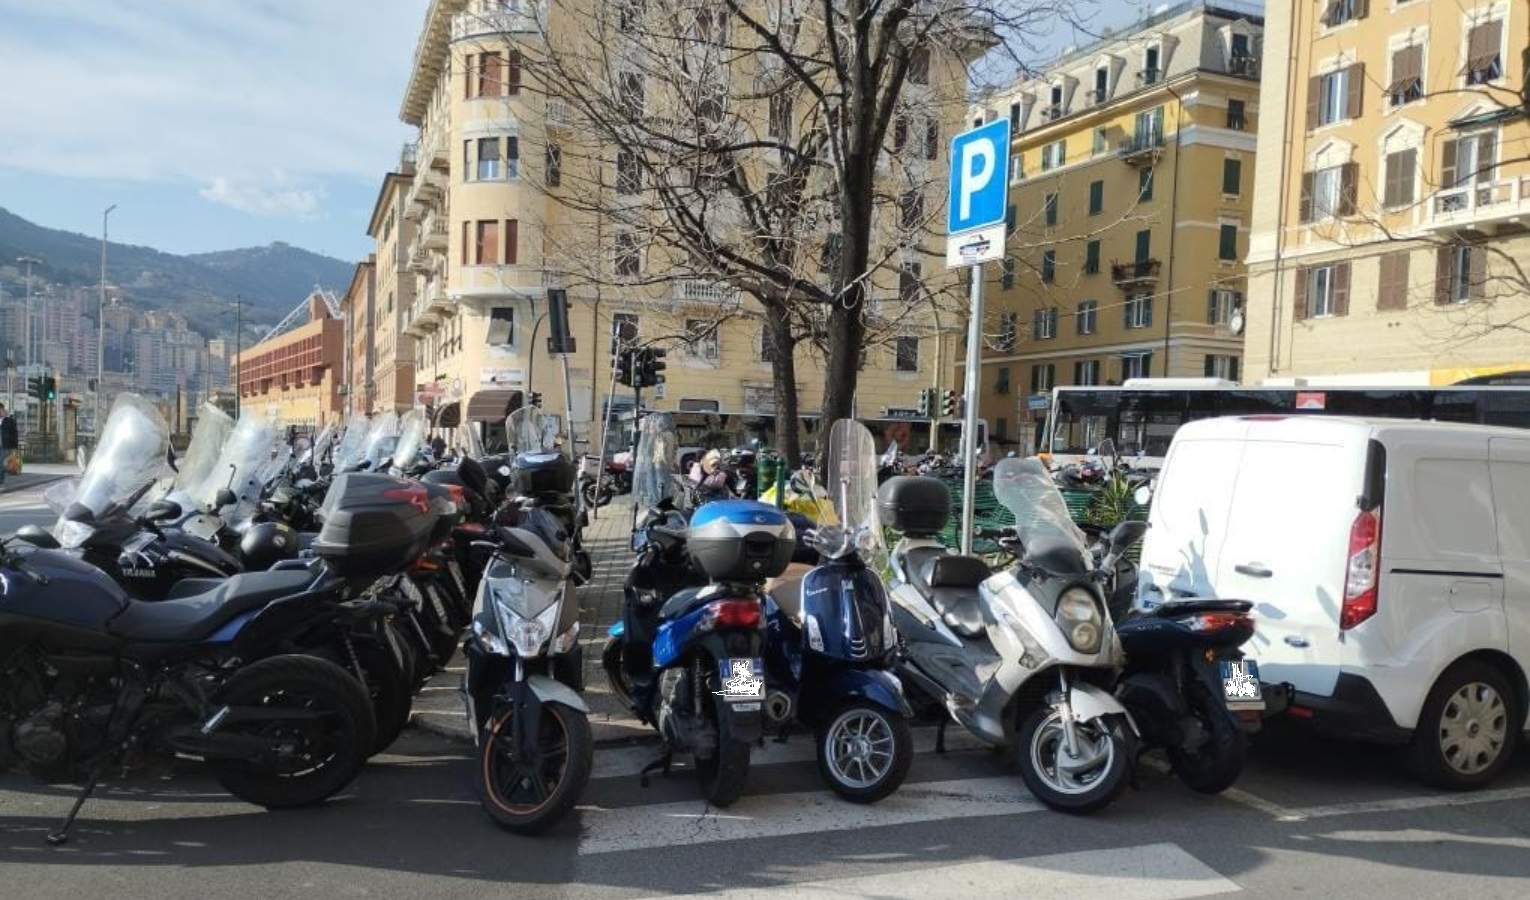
point(743, 680)
point(1240, 684)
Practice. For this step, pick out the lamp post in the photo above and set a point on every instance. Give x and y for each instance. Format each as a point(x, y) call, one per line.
point(26, 331)
point(239, 348)
point(101, 329)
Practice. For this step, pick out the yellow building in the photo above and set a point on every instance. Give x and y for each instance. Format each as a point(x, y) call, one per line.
point(357, 309)
point(489, 238)
point(296, 374)
point(1131, 186)
point(1391, 248)
point(392, 352)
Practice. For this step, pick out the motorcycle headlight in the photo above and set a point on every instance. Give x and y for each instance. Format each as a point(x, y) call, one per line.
point(1078, 614)
point(528, 636)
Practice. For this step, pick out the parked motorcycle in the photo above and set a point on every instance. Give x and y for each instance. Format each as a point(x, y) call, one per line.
point(1025, 658)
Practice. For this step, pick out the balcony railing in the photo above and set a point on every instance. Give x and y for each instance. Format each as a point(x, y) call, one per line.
point(1247, 66)
point(519, 19)
point(1137, 272)
point(558, 112)
point(433, 232)
point(1141, 146)
point(419, 260)
point(409, 154)
point(1481, 205)
point(698, 291)
point(1150, 76)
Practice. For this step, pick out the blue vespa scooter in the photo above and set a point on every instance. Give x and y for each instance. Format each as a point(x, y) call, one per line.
point(830, 642)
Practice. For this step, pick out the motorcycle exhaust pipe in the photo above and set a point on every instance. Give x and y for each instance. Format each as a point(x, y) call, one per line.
point(778, 707)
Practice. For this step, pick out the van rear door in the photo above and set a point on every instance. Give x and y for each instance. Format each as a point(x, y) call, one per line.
point(1188, 518)
point(1287, 546)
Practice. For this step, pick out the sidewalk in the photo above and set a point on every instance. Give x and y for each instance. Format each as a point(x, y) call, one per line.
point(36, 475)
point(439, 710)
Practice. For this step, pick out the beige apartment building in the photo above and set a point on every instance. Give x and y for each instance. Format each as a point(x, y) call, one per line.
point(1392, 157)
point(487, 238)
point(392, 352)
point(1131, 194)
point(357, 308)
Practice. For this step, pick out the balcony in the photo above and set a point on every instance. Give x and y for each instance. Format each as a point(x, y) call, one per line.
point(409, 154)
point(1149, 76)
point(1141, 273)
point(419, 260)
point(481, 284)
point(433, 232)
point(1246, 66)
point(1141, 148)
point(522, 19)
point(698, 292)
point(436, 156)
point(1485, 206)
point(558, 111)
point(437, 302)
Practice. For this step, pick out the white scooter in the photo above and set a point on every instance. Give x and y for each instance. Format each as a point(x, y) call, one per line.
point(1024, 659)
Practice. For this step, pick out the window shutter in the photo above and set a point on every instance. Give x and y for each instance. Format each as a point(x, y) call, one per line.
point(467, 75)
point(1309, 184)
point(512, 241)
point(1211, 307)
point(931, 138)
point(1442, 267)
point(1487, 146)
point(1341, 289)
point(1355, 82)
point(1349, 185)
point(467, 240)
point(1361, 8)
point(1477, 272)
point(513, 75)
point(1299, 299)
point(1211, 366)
point(1408, 64)
point(1393, 283)
point(1314, 100)
point(900, 133)
point(1448, 164)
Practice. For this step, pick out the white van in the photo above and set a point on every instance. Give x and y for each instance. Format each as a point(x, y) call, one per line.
point(1389, 564)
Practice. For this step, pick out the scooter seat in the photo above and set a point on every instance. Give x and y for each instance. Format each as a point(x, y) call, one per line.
point(1194, 606)
point(961, 609)
point(685, 600)
point(954, 571)
point(788, 596)
point(197, 618)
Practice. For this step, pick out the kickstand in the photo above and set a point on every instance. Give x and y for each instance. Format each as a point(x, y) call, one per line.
point(61, 836)
point(662, 763)
point(940, 736)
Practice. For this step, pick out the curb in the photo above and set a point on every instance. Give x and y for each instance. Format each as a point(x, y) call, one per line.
point(454, 728)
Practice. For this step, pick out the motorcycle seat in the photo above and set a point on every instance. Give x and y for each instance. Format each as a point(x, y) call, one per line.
point(954, 584)
point(1195, 605)
point(197, 617)
point(191, 587)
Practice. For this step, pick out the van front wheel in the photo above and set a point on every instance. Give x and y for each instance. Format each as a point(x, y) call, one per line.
point(1467, 728)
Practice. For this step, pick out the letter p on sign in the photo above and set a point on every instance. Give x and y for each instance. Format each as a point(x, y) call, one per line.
point(979, 177)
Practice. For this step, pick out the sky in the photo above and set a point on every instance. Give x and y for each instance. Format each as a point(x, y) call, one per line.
point(215, 124)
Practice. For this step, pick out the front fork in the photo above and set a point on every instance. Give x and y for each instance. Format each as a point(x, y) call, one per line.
point(1065, 711)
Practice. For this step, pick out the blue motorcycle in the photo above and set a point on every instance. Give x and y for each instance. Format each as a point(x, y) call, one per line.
point(831, 645)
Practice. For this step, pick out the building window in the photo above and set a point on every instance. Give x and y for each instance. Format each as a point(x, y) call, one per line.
point(554, 165)
point(1221, 367)
point(1322, 291)
point(629, 176)
point(1235, 119)
point(624, 332)
point(1227, 243)
point(781, 115)
point(1009, 331)
point(502, 326)
point(1220, 305)
point(1150, 73)
point(628, 260)
point(1464, 162)
point(701, 339)
point(512, 242)
point(1484, 63)
point(1462, 274)
point(1328, 193)
point(1053, 155)
point(1145, 183)
point(1402, 167)
point(1136, 365)
point(1044, 324)
point(766, 351)
point(1101, 141)
point(1043, 378)
point(1048, 266)
point(1014, 117)
point(828, 259)
point(1232, 177)
point(486, 245)
point(1088, 314)
point(1101, 86)
point(1335, 96)
point(1092, 258)
point(1392, 289)
point(906, 354)
point(1139, 311)
point(488, 159)
point(911, 211)
point(630, 95)
point(909, 281)
point(1002, 385)
point(1341, 11)
point(1096, 197)
point(1086, 372)
point(1007, 273)
point(1016, 167)
point(1407, 75)
point(1049, 208)
point(931, 138)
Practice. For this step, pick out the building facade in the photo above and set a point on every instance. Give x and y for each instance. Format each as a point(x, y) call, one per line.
point(392, 352)
point(1131, 193)
point(1392, 154)
point(485, 236)
point(296, 376)
point(358, 310)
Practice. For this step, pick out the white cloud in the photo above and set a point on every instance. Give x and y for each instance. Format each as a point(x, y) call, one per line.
point(276, 200)
point(208, 94)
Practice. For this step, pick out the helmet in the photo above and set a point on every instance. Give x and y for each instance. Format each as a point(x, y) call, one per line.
point(267, 544)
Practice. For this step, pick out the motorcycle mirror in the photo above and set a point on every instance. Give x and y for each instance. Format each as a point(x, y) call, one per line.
point(226, 497)
point(482, 551)
point(36, 536)
point(161, 510)
point(79, 512)
point(1125, 535)
point(1142, 495)
point(514, 546)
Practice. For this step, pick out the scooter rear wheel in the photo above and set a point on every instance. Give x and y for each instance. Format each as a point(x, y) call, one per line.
point(1216, 764)
point(725, 772)
point(1089, 783)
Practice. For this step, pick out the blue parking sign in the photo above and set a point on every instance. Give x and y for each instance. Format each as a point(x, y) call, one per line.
point(979, 177)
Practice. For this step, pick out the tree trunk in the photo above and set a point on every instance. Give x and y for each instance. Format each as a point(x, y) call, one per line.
point(847, 323)
point(783, 370)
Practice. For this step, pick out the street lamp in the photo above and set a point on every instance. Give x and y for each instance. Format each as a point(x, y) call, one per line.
point(26, 330)
point(101, 328)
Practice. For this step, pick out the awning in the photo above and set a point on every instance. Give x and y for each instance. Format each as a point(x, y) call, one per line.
point(492, 406)
point(449, 416)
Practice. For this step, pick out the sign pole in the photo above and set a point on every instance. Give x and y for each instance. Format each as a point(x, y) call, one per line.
point(970, 413)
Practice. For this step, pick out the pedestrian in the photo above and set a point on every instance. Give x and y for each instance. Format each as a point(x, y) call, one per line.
point(438, 447)
point(9, 442)
point(710, 478)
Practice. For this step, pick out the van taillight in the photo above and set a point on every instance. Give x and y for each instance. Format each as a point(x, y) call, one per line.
point(1360, 579)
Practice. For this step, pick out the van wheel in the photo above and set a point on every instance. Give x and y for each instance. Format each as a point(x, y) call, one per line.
point(1467, 728)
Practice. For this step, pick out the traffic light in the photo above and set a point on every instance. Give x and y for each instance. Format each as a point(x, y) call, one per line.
point(654, 366)
point(927, 403)
point(948, 404)
point(50, 388)
point(624, 372)
point(35, 388)
point(535, 399)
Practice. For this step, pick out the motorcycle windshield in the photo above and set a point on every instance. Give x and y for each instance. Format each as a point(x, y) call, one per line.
point(657, 465)
point(207, 439)
point(381, 440)
point(411, 438)
point(242, 465)
point(1025, 488)
point(852, 475)
point(132, 450)
point(353, 444)
point(469, 442)
point(528, 432)
point(321, 445)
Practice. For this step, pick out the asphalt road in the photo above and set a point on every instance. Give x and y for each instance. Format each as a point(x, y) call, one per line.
point(1309, 817)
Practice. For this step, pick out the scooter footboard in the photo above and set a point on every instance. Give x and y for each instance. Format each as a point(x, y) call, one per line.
point(829, 691)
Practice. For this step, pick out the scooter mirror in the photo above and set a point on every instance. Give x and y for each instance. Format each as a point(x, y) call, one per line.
point(1142, 495)
point(226, 497)
point(1125, 535)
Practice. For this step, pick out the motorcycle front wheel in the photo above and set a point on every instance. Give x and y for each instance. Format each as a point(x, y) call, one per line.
point(611, 661)
point(865, 752)
point(528, 793)
point(1082, 784)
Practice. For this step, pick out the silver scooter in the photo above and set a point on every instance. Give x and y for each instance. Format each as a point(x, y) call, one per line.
point(1024, 658)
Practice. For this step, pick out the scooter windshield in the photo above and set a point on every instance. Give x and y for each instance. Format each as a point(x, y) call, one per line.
point(411, 438)
point(381, 440)
point(469, 442)
point(207, 439)
point(352, 449)
point(321, 445)
point(657, 464)
point(133, 448)
point(528, 432)
point(242, 465)
point(852, 475)
point(1031, 496)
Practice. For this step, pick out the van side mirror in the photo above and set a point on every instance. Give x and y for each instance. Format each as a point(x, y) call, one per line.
point(1142, 495)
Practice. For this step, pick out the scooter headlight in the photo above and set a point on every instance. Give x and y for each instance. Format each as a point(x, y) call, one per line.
point(1078, 614)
